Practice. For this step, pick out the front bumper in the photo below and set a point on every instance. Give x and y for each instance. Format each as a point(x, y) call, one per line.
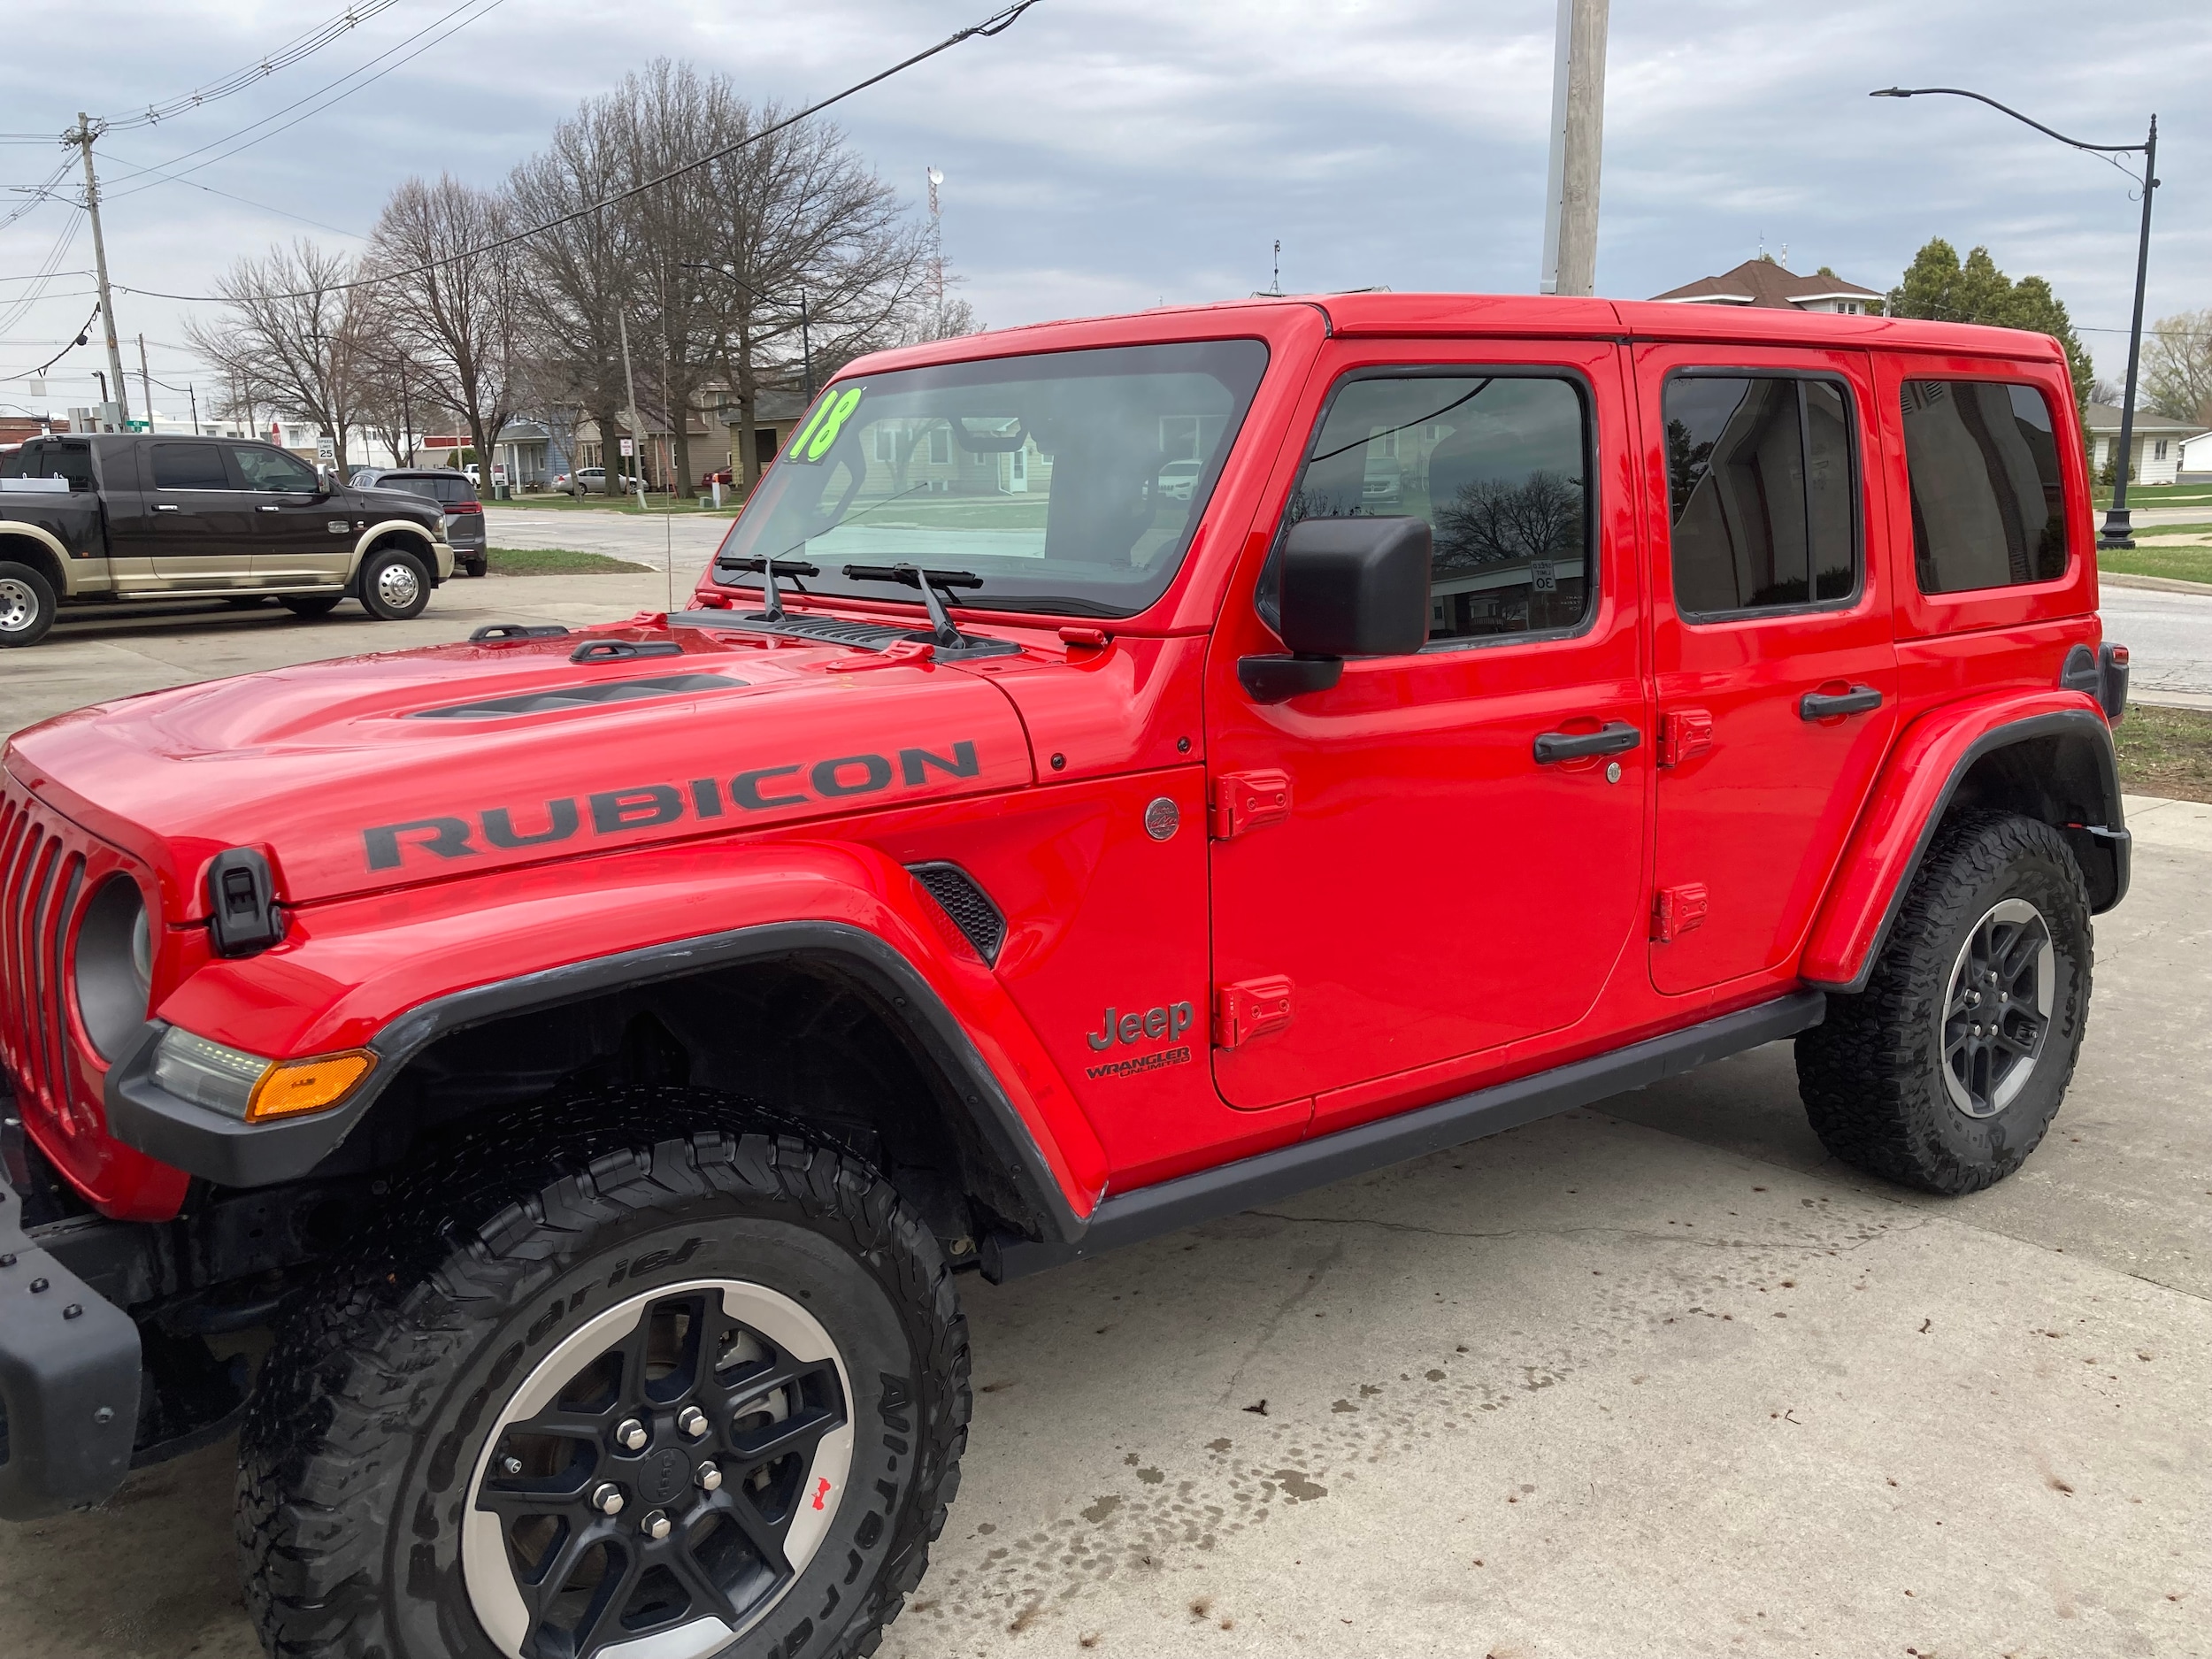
point(69, 1380)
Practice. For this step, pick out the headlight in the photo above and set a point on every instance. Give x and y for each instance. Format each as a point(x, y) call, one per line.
point(251, 1086)
point(114, 968)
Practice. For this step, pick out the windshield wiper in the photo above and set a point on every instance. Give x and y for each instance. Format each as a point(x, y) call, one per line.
point(772, 601)
point(930, 582)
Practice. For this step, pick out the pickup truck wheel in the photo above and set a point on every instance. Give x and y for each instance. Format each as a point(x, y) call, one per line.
point(707, 1395)
point(26, 604)
point(310, 604)
point(1945, 1072)
point(395, 585)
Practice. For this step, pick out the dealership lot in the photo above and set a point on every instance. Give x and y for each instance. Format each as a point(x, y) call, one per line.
point(1657, 1378)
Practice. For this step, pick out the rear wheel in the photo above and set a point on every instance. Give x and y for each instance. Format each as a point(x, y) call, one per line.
point(27, 607)
point(708, 1393)
point(310, 604)
point(395, 584)
point(1946, 1072)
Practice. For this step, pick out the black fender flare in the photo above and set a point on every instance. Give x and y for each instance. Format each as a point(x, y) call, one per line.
point(206, 1143)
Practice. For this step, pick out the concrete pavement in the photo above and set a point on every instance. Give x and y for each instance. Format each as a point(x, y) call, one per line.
point(1653, 1379)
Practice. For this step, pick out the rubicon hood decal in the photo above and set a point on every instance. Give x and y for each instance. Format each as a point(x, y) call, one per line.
point(651, 805)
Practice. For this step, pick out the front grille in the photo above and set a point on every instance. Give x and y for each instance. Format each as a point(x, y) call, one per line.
point(47, 867)
point(969, 906)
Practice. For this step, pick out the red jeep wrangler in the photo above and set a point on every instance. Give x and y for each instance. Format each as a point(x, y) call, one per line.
point(1113, 774)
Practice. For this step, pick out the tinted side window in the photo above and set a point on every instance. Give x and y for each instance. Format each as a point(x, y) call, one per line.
point(1988, 508)
point(422, 487)
point(1760, 481)
point(1498, 465)
point(190, 466)
point(274, 470)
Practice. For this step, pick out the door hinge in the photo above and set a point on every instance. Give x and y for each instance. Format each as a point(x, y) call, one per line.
point(1677, 910)
point(1253, 1008)
point(1685, 734)
point(1247, 800)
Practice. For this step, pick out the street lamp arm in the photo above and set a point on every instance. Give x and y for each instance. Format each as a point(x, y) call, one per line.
point(1961, 92)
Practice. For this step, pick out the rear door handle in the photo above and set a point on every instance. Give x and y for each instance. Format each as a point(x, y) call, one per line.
point(1614, 737)
point(167, 506)
point(268, 509)
point(1816, 705)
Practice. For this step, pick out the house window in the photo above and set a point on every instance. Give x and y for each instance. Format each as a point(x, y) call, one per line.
point(940, 444)
point(2158, 453)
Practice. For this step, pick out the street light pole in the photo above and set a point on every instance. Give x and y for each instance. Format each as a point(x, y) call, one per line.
point(2116, 532)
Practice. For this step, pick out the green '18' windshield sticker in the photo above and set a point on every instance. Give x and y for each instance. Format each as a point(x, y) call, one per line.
point(812, 441)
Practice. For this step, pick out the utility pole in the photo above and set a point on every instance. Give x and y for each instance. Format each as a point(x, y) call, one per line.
point(82, 138)
point(1578, 145)
point(629, 388)
point(145, 382)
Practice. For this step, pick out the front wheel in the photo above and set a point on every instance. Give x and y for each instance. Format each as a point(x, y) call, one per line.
point(708, 1393)
point(1946, 1072)
point(395, 585)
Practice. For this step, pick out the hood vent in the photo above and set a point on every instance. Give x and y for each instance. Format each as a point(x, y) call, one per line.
point(593, 696)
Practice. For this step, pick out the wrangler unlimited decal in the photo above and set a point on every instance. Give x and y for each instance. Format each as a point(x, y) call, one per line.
point(650, 805)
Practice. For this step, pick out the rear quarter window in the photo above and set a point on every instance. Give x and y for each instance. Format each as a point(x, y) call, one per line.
point(1988, 500)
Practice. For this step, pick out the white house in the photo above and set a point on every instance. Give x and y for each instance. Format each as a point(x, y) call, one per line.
point(2157, 442)
point(2196, 460)
point(1762, 281)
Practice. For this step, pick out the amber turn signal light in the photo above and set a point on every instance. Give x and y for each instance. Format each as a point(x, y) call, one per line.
point(293, 1087)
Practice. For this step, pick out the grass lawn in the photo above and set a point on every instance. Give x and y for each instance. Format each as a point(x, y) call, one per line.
point(2180, 563)
point(546, 561)
point(2165, 751)
point(2158, 495)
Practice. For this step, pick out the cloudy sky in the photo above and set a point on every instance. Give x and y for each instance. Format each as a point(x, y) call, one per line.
point(1106, 156)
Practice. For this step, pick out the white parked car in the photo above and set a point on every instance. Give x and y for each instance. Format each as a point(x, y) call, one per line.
point(1177, 476)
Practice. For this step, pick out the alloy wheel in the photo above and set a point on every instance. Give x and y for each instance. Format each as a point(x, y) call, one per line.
point(1997, 1010)
point(661, 1479)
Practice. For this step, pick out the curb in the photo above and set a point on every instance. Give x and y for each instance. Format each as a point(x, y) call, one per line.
point(2159, 584)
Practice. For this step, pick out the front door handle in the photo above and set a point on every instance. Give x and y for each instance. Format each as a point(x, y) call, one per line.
point(167, 506)
point(268, 509)
point(1816, 705)
point(1614, 737)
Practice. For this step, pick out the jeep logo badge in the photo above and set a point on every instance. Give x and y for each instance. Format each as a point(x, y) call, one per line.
point(663, 1477)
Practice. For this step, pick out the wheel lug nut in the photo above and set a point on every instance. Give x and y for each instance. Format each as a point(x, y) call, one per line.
point(656, 1526)
point(630, 1433)
point(606, 1498)
point(692, 1421)
point(510, 1465)
point(709, 1476)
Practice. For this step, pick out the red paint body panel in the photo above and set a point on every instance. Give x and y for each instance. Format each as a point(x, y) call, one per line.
point(1448, 913)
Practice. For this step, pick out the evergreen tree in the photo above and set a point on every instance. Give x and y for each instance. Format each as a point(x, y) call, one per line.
point(1939, 285)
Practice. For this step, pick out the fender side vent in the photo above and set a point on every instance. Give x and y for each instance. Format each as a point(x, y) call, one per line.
point(597, 694)
point(969, 906)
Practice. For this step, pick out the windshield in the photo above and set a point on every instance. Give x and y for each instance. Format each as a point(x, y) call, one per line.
point(1068, 482)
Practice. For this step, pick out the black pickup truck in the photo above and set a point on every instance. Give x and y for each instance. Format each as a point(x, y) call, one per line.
point(133, 517)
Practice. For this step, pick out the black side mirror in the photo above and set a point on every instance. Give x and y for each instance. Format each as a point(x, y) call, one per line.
point(1350, 588)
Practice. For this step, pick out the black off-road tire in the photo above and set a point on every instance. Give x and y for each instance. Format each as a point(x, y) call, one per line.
point(1871, 1075)
point(373, 1409)
point(27, 605)
point(310, 605)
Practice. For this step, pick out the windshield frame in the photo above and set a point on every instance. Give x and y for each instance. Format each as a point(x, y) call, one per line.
point(1239, 360)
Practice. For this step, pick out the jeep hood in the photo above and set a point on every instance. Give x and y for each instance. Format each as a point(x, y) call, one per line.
point(377, 771)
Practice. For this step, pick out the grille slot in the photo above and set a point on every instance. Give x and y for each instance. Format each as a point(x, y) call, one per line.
point(969, 906)
point(597, 694)
point(46, 864)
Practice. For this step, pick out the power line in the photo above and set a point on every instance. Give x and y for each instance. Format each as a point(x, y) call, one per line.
point(350, 74)
point(137, 171)
point(997, 23)
point(37, 193)
point(303, 46)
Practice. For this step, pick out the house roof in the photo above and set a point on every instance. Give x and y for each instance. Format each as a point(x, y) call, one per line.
point(1763, 282)
point(2106, 418)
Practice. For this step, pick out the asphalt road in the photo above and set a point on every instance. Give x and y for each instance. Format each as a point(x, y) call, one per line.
point(651, 539)
point(1657, 1378)
point(2169, 637)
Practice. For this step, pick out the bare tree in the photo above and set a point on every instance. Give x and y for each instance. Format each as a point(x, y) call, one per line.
point(290, 333)
point(2178, 366)
point(580, 274)
point(450, 301)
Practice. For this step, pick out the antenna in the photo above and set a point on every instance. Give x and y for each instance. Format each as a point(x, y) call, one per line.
point(1275, 280)
point(937, 247)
